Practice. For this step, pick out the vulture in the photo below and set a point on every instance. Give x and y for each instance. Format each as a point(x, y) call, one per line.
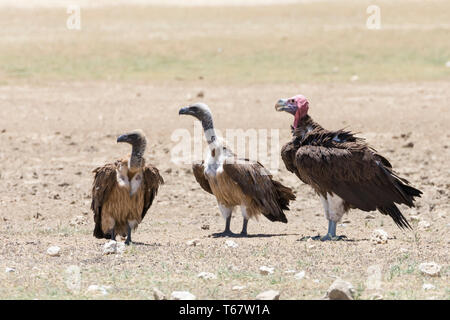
point(236, 182)
point(123, 191)
point(342, 169)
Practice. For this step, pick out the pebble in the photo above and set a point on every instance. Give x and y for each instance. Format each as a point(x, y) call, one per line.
point(423, 225)
point(182, 295)
point(428, 286)
point(53, 251)
point(98, 290)
point(379, 236)
point(447, 64)
point(414, 218)
point(112, 247)
point(266, 270)
point(430, 268)
point(207, 276)
point(158, 294)
point(193, 242)
point(9, 270)
point(370, 216)
point(238, 288)
point(268, 295)
point(340, 290)
point(300, 275)
point(231, 244)
point(354, 78)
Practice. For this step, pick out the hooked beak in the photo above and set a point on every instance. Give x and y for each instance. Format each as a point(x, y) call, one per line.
point(122, 138)
point(282, 105)
point(184, 110)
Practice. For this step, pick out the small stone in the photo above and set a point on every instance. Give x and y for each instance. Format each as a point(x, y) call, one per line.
point(447, 64)
point(120, 247)
point(110, 247)
point(53, 251)
point(424, 225)
point(340, 290)
point(354, 78)
point(370, 216)
point(231, 244)
point(268, 295)
point(300, 275)
point(414, 218)
point(182, 295)
point(200, 94)
point(158, 294)
point(193, 242)
point(379, 236)
point(408, 145)
point(403, 250)
point(207, 276)
point(238, 288)
point(9, 270)
point(428, 286)
point(311, 246)
point(430, 268)
point(376, 296)
point(97, 290)
point(290, 271)
point(205, 227)
point(266, 270)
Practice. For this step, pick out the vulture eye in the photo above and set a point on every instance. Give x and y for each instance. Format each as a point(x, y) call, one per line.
point(291, 101)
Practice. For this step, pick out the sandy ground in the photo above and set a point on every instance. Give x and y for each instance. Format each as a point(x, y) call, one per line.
point(53, 135)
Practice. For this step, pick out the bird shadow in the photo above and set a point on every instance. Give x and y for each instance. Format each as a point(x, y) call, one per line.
point(258, 235)
point(146, 244)
point(306, 238)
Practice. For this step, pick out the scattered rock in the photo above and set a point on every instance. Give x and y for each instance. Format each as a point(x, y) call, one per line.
point(205, 227)
point(200, 94)
point(290, 271)
point(379, 236)
point(98, 290)
point(266, 270)
point(424, 225)
point(428, 286)
point(430, 268)
point(182, 295)
point(354, 78)
point(231, 244)
point(112, 247)
point(268, 295)
point(193, 242)
point(238, 288)
point(340, 290)
point(207, 276)
point(447, 64)
point(414, 218)
point(53, 251)
point(9, 270)
point(370, 216)
point(300, 275)
point(408, 145)
point(158, 294)
point(376, 296)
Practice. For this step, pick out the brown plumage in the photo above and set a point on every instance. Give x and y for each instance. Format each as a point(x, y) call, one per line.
point(123, 192)
point(237, 182)
point(343, 170)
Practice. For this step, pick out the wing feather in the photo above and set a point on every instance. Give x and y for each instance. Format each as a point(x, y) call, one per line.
point(199, 173)
point(152, 181)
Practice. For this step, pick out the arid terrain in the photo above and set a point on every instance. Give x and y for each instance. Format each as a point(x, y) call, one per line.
point(66, 95)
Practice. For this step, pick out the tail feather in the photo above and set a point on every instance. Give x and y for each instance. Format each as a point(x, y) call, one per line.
point(396, 215)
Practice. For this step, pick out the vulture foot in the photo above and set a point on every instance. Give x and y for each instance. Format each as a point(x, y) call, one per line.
point(226, 233)
point(329, 237)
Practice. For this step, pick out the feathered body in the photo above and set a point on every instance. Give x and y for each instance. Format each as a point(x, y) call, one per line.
point(237, 182)
point(122, 193)
point(343, 170)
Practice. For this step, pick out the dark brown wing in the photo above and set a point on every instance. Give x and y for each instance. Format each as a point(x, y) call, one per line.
point(199, 174)
point(104, 181)
point(152, 181)
point(358, 175)
point(256, 181)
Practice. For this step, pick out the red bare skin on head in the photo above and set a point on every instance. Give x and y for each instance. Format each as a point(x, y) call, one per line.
point(302, 108)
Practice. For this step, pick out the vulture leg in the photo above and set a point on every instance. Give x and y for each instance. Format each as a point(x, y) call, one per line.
point(226, 213)
point(128, 240)
point(113, 234)
point(334, 209)
point(245, 220)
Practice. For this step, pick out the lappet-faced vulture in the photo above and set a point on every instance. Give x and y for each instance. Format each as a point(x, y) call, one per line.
point(343, 170)
point(123, 191)
point(237, 182)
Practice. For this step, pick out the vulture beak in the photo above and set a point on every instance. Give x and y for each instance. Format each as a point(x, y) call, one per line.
point(184, 110)
point(122, 138)
point(282, 105)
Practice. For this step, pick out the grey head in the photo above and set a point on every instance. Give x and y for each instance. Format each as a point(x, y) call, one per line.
point(138, 142)
point(199, 110)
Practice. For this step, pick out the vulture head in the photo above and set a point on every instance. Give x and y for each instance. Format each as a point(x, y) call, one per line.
point(202, 112)
point(138, 142)
point(297, 106)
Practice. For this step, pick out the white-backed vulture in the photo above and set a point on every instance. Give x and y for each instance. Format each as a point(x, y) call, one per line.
point(343, 170)
point(237, 182)
point(123, 191)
